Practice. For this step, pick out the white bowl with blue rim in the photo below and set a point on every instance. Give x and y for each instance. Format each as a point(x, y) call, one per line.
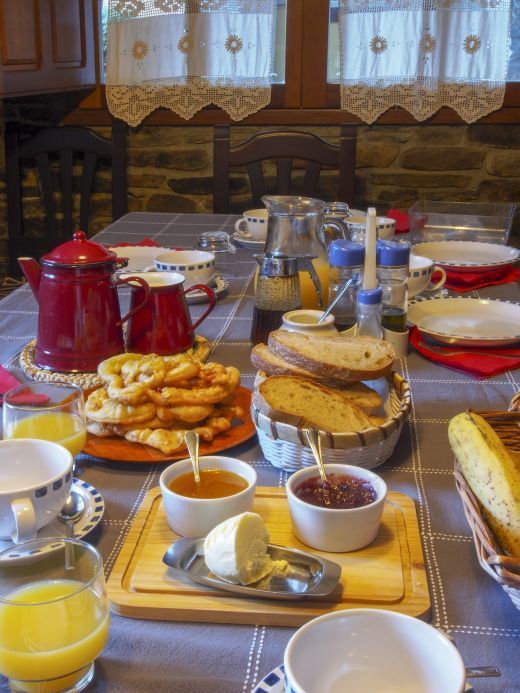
point(197, 266)
point(372, 650)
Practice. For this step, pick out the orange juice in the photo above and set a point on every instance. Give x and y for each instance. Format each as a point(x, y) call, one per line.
point(60, 427)
point(57, 638)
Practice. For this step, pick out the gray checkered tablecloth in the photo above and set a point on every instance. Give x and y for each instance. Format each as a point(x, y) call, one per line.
point(183, 657)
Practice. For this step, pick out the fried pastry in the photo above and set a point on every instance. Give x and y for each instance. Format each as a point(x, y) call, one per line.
point(99, 407)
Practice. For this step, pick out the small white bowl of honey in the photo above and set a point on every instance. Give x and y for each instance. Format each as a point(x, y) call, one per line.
point(226, 488)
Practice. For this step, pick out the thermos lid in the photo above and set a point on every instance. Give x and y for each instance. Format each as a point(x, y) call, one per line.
point(272, 265)
point(370, 297)
point(393, 253)
point(343, 253)
point(79, 251)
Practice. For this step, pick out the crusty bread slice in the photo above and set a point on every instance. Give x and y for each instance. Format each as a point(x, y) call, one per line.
point(344, 358)
point(289, 399)
point(268, 364)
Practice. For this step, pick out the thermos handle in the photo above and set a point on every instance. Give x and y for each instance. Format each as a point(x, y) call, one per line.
point(212, 300)
point(144, 285)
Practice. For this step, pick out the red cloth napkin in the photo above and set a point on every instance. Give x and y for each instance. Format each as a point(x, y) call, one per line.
point(8, 381)
point(402, 224)
point(480, 362)
point(145, 242)
point(467, 281)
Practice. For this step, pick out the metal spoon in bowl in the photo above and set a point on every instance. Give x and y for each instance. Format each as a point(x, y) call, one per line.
point(338, 297)
point(313, 438)
point(72, 510)
point(192, 443)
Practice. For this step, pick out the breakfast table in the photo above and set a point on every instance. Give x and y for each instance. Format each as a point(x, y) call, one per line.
point(148, 655)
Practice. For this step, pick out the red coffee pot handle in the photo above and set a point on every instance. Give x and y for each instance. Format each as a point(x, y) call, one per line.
point(212, 300)
point(144, 285)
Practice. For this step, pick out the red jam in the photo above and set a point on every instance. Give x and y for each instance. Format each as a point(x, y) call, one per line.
point(341, 491)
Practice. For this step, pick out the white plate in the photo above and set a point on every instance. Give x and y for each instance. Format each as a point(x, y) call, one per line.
point(139, 256)
point(467, 256)
point(94, 509)
point(221, 285)
point(467, 321)
point(246, 242)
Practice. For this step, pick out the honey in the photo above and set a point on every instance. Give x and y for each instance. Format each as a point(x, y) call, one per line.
point(214, 483)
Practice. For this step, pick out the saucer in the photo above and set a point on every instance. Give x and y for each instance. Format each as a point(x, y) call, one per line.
point(219, 287)
point(246, 242)
point(94, 509)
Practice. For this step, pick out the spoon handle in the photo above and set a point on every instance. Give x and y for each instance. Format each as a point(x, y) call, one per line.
point(192, 443)
point(338, 297)
point(482, 672)
point(313, 438)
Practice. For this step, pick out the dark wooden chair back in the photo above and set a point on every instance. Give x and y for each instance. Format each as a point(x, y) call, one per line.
point(66, 145)
point(284, 148)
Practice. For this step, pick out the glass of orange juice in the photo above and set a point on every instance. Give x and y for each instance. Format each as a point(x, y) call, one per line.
point(53, 618)
point(48, 411)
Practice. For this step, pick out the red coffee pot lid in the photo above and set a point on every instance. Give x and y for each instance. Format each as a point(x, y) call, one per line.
point(79, 251)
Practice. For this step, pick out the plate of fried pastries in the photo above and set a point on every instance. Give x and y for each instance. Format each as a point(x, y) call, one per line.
point(148, 402)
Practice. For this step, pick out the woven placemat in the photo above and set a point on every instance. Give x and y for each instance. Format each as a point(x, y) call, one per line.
point(34, 372)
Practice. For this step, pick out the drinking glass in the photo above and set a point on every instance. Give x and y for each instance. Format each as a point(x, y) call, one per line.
point(53, 617)
point(48, 411)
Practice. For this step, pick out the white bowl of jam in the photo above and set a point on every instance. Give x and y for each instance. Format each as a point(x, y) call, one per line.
point(343, 516)
point(227, 488)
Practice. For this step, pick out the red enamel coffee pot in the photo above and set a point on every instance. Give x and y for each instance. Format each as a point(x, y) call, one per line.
point(79, 321)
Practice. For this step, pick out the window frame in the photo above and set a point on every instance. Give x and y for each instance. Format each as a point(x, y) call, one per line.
point(306, 98)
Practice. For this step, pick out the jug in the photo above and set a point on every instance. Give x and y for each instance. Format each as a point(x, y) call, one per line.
point(79, 321)
point(296, 227)
point(164, 325)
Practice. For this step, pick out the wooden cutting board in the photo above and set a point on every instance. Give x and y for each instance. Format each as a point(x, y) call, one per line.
point(388, 574)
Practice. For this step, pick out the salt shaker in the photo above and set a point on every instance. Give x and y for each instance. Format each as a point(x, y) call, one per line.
point(369, 304)
point(218, 243)
point(277, 291)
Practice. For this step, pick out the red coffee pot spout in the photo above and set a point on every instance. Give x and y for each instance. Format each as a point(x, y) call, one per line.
point(32, 272)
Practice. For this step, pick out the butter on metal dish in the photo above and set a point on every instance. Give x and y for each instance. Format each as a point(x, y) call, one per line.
point(306, 576)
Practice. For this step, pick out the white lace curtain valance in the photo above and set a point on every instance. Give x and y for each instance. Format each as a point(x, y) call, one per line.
point(186, 54)
point(423, 55)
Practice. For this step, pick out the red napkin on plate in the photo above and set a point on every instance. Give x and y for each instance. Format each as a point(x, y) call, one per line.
point(8, 381)
point(145, 242)
point(402, 224)
point(466, 281)
point(481, 362)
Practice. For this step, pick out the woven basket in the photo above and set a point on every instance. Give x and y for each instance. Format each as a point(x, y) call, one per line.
point(504, 569)
point(285, 446)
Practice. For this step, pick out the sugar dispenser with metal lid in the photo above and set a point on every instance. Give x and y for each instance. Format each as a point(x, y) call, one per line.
point(277, 291)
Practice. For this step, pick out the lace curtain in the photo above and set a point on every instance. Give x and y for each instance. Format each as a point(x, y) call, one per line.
point(422, 55)
point(186, 54)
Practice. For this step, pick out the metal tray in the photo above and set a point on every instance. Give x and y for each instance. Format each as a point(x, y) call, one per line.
point(309, 576)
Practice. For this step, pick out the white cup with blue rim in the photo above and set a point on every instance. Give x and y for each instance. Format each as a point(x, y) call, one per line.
point(197, 266)
point(420, 275)
point(253, 225)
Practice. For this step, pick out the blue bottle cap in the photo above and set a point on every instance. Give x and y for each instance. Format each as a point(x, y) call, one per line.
point(344, 253)
point(370, 297)
point(393, 253)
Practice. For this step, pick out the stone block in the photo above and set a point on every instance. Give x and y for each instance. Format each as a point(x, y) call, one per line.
point(440, 134)
point(504, 164)
point(495, 135)
point(386, 133)
point(378, 154)
point(145, 179)
point(421, 180)
point(442, 158)
point(180, 159)
point(399, 197)
point(156, 136)
point(192, 186)
point(500, 190)
point(170, 203)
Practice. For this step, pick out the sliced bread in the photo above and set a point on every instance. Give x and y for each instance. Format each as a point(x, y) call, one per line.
point(293, 400)
point(344, 358)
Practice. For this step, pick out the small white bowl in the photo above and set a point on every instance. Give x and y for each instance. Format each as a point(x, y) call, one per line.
point(371, 650)
point(139, 257)
point(336, 529)
point(195, 517)
point(197, 266)
point(306, 322)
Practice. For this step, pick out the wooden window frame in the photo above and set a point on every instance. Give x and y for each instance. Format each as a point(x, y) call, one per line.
point(305, 99)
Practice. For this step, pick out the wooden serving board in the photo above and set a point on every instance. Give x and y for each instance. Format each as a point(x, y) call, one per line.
point(121, 450)
point(388, 574)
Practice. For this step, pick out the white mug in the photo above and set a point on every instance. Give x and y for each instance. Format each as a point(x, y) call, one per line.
point(197, 266)
point(255, 223)
point(420, 275)
point(35, 481)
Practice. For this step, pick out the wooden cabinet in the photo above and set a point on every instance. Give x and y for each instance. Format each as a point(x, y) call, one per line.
point(47, 45)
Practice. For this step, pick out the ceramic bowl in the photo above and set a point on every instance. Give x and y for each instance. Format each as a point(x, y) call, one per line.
point(139, 257)
point(331, 529)
point(195, 517)
point(306, 322)
point(385, 226)
point(197, 266)
point(371, 650)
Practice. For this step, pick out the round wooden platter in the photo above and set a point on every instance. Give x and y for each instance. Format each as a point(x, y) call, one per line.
point(121, 450)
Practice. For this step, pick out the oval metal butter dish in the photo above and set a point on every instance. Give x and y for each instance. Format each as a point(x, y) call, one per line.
point(307, 576)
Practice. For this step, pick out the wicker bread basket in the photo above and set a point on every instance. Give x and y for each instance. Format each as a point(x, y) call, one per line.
point(285, 446)
point(504, 569)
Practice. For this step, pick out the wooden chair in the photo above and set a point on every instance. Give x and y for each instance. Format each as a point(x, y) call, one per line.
point(284, 148)
point(63, 144)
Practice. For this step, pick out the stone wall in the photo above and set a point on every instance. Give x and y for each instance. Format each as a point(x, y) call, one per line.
point(171, 168)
